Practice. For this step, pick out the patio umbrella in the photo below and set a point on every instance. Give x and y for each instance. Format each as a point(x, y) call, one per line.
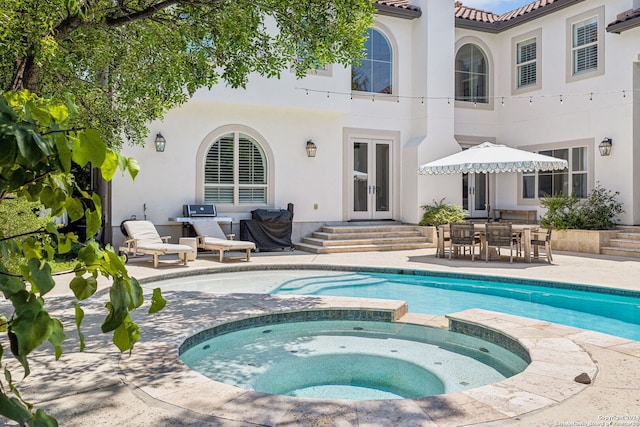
point(492, 158)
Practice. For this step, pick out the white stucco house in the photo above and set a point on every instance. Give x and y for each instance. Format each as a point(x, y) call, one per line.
point(556, 77)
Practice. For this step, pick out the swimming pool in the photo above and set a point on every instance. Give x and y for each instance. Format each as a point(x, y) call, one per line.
point(611, 311)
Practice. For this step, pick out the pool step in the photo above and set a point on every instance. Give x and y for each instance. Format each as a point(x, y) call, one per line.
point(365, 238)
point(626, 243)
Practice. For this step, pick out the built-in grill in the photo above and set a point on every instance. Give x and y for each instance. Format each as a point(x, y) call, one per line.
point(199, 211)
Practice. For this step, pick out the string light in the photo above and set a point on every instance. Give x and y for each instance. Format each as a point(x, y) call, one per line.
point(503, 99)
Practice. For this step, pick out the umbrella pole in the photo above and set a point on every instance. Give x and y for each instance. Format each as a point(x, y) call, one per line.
point(488, 204)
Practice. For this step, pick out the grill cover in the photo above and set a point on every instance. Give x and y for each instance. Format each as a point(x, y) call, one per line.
point(269, 229)
point(199, 210)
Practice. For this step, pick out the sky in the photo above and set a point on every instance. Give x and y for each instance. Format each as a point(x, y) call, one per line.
point(496, 6)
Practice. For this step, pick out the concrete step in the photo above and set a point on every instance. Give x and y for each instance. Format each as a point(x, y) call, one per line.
point(366, 235)
point(617, 251)
point(361, 248)
point(624, 242)
point(363, 240)
point(346, 229)
point(628, 235)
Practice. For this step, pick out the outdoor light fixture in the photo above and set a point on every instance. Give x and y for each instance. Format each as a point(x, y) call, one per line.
point(160, 143)
point(311, 149)
point(605, 147)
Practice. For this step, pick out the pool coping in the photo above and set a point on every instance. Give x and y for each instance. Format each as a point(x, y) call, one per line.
point(557, 358)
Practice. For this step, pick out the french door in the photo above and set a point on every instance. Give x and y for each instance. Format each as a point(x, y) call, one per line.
point(475, 194)
point(372, 198)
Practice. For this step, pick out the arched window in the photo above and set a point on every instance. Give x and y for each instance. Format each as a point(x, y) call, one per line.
point(235, 171)
point(375, 73)
point(472, 75)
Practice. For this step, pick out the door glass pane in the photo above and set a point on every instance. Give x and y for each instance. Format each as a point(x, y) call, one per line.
point(360, 172)
point(465, 191)
point(480, 199)
point(382, 177)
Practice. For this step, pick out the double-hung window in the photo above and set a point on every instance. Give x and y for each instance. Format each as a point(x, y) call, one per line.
point(235, 171)
point(526, 63)
point(573, 180)
point(585, 45)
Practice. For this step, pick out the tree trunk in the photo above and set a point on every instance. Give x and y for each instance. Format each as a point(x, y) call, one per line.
point(25, 75)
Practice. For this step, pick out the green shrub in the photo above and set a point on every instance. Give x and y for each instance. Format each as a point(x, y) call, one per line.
point(442, 213)
point(599, 211)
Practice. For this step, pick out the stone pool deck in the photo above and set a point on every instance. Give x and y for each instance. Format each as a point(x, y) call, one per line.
point(100, 387)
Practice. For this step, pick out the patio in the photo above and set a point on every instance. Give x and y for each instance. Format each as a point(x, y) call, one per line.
point(109, 396)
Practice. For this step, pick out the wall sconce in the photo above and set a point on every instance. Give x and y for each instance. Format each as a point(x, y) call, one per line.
point(605, 147)
point(311, 149)
point(160, 143)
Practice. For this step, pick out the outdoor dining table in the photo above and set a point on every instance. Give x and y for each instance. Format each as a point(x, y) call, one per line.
point(523, 230)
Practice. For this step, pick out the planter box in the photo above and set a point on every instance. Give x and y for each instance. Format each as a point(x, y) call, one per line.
point(585, 241)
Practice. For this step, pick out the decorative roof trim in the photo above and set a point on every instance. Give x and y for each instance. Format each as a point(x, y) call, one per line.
point(625, 21)
point(409, 12)
point(508, 20)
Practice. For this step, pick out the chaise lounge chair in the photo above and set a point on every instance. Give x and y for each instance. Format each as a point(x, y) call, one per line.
point(145, 240)
point(212, 238)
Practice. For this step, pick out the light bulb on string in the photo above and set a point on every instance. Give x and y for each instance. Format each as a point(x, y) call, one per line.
point(503, 101)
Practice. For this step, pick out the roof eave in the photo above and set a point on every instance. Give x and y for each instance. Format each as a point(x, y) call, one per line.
point(499, 26)
point(624, 25)
point(398, 12)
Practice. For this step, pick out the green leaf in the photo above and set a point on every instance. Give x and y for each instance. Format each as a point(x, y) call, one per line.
point(79, 316)
point(28, 149)
point(74, 209)
point(136, 293)
point(8, 151)
point(30, 332)
point(41, 275)
point(157, 301)
point(41, 419)
point(57, 336)
point(94, 222)
point(118, 305)
point(126, 335)
point(89, 147)
point(82, 287)
point(13, 409)
point(59, 112)
point(133, 167)
point(64, 151)
point(109, 166)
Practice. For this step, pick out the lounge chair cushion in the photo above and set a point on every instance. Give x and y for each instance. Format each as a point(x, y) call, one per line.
point(146, 240)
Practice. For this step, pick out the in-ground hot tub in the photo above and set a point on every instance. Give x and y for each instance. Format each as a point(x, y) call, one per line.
point(302, 355)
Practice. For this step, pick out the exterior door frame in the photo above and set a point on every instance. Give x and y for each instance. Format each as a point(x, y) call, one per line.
point(350, 136)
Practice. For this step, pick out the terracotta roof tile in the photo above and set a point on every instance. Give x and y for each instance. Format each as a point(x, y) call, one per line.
point(625, 16)
point(464, 12)
point(402, 4)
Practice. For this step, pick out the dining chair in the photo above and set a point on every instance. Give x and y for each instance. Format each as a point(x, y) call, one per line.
point(499, 235)
point(440, 231)
point(539, 239)
point(462, 235)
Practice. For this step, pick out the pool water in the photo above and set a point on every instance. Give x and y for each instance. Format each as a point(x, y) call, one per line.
point(603, 312)
point(360, 360)
point(611, 311)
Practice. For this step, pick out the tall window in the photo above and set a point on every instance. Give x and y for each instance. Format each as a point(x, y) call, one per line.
point(585, 45)
point(375, 73)
point(526, 62)
point(235, 171)
point(573, 180)
point(472, 75)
